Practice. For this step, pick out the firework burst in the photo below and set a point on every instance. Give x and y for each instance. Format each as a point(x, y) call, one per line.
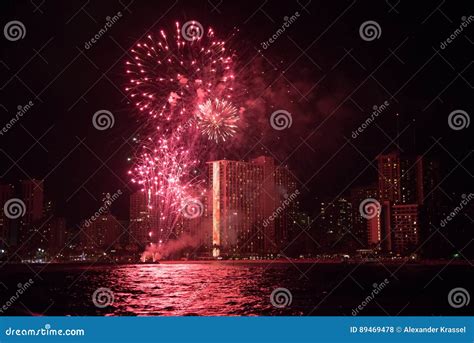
point(217, 119)
point(182, 84)
point(166, 171)
point(172, 75)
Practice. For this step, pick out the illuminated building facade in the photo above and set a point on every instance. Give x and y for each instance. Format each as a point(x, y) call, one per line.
point(143, 220)
point(405, 228)
point(401, 187)
point(335, 222)
point(102, 233)
point(244, 198)
point(195, 226)
point(400, 178)
point(365, 233)
point(33, 196)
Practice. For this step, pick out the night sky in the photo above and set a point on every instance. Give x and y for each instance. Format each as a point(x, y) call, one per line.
point(320, 70)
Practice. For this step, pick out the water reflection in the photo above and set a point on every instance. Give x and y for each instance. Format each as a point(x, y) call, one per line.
point(240, 288)
point(189, 289)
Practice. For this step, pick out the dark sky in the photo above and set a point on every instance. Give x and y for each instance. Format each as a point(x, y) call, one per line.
point(334, 78)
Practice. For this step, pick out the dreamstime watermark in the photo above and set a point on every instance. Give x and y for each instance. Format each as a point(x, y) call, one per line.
point(14, 30)
point(103, 120)
point(46, 331)
point(377, 288)
point(458, 297)
point(458, 120)
point(20, 113)
point(192, 30)
point(110, 22)
point(108, 200)
point(103, 297)
point(369, 208)
point(21, 289)
point(281, 297)
point(288, 21)
point(465, 22)
point(14, 208)
point(284, 204)
point(281, 119)
point(377, 110)
point(370, 30)
point(192, 208)
point(464, 202)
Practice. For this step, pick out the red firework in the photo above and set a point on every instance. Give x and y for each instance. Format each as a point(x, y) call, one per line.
point(183, 84)
point(166, 171)
point(217, 119)
point(172, 75)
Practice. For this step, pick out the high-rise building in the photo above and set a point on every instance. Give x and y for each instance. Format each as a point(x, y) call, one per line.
point(364, 234)
point(143, 221)
point(32, 192)
point(252, 203)
point(57, 237)
point(196, 226)
point(29, 235)
point(102, 233)
point(403, 183)
point(405, 228)
point(236, 214)
point(400, 178)
point(335, 222)
point(286, 223)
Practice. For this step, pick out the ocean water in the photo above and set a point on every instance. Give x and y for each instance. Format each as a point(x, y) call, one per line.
point(234, 289)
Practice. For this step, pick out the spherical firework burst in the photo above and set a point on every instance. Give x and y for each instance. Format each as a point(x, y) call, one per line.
point(171, 76)
point(217, 119)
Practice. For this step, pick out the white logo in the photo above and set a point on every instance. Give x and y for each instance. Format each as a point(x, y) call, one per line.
point(103, 120)
point(369, 208)
point(14, 208)
point(370, 30)
point(458, 120)
point(458, 297)
point(192, 208)
point(14, 30)
point(281, 297)
point(192, 30)
point(281, 120)
point(103, 297)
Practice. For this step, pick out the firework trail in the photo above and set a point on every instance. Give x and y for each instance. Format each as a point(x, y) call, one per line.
point(165, 170)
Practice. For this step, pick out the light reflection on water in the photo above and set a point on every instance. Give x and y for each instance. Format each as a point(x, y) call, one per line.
point(240, 288)
point(190, 289)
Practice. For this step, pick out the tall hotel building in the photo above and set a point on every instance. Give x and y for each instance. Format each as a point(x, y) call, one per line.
point(401, 194)
point(367, 234)
point(245, 197)
point(143, 221)
point(32, 194)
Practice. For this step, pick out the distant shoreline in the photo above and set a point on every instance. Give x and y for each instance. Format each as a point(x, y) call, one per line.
point(258, 262)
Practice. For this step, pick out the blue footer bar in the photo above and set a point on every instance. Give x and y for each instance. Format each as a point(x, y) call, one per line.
point(236, 329)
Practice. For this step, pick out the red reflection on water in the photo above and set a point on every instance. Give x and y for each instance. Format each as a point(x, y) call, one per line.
point(189, 289)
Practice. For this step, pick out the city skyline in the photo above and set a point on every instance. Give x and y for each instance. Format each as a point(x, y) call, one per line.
point(213, 158)
point(391, 216)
